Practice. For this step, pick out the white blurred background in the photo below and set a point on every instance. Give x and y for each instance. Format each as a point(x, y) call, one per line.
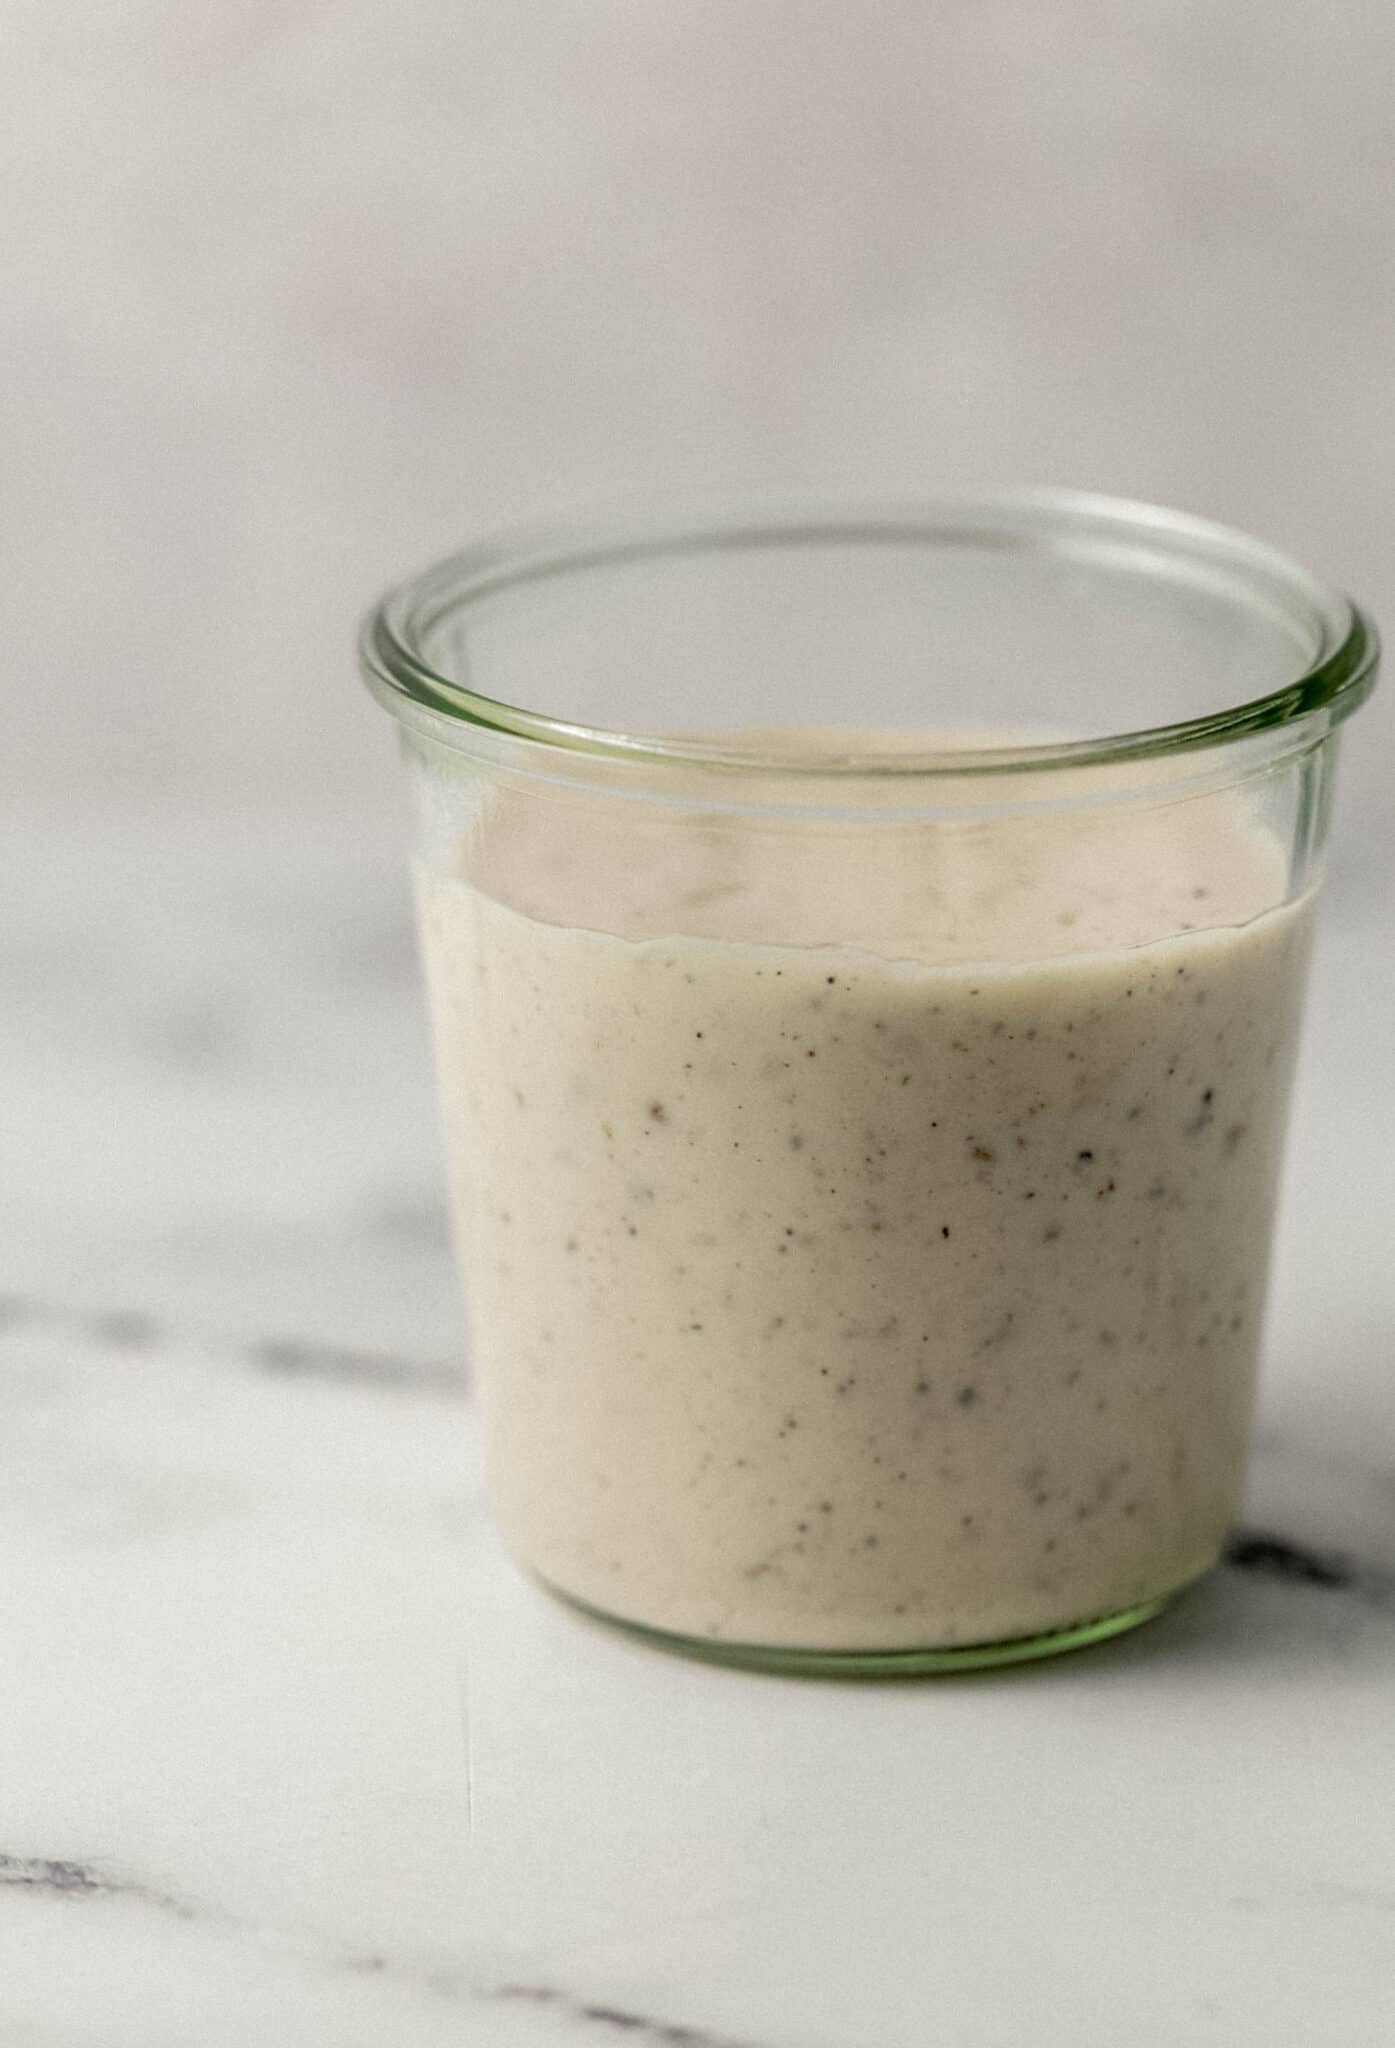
point(298, 295)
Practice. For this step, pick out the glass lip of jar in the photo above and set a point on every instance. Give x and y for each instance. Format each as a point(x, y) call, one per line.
point(1085, 523)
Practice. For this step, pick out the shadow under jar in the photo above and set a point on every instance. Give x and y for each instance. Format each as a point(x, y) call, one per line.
point(865, 982)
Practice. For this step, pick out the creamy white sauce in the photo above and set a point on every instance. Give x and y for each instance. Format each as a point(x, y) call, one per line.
point(862, 1296)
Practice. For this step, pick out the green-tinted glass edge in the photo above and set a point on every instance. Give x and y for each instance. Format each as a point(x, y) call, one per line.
point(1320, 697)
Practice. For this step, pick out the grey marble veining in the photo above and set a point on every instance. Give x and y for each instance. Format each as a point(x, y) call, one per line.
point(290, 1750)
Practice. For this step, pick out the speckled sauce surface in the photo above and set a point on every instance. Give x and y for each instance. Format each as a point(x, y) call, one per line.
point(869, 1297)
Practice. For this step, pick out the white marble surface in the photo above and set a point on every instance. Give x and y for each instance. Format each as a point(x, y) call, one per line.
point(289, 1753)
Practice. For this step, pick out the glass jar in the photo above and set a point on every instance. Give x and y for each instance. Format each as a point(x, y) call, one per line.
point(865, 947)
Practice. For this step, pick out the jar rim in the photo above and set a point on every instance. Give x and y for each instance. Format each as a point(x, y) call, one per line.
point(1047, 519)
